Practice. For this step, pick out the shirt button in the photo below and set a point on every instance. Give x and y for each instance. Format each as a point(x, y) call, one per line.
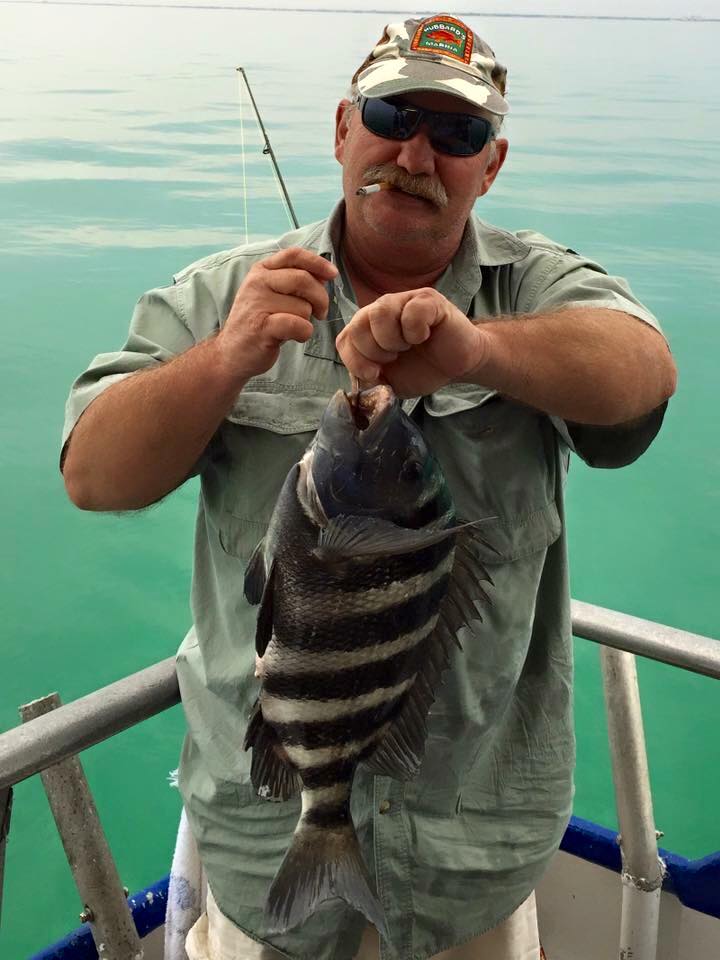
point(384, 806)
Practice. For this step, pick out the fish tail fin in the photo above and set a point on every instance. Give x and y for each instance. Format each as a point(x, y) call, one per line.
point(322, 863)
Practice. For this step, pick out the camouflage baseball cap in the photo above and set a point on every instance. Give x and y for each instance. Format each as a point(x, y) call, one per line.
point(438, 53)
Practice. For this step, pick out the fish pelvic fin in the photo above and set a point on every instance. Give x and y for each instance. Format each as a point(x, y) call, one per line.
point(255, 574)
point(322, 863)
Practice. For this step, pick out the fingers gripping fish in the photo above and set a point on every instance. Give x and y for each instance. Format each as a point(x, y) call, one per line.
point(363, 580)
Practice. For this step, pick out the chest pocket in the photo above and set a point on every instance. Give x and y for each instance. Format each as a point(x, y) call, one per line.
point(264, 435)
point(501, 462)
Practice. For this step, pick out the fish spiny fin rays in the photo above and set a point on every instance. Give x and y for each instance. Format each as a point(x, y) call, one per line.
point(400, 752)
point(321, 865)
point(272, 777)
point(458, 606)
point(255, 575)
point(356, 538)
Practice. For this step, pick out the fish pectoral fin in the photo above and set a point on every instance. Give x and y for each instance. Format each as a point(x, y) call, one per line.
point(264, 628)
point(272, 775)
point(350, 537)
point(255, 575)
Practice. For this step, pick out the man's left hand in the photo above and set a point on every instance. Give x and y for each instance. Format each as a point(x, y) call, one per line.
point(417, 341)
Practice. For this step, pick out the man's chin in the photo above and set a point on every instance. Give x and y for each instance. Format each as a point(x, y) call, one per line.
point(408, 230)
point(420, 237)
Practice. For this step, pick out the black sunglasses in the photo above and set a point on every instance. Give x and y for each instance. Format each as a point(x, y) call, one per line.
point(457, 134)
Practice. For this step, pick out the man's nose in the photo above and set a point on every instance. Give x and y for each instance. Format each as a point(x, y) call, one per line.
point(417, 154)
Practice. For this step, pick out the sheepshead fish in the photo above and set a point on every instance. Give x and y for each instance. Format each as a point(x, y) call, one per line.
point(363, 580)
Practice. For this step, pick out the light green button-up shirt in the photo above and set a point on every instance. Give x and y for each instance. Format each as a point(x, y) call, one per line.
point(457, 850)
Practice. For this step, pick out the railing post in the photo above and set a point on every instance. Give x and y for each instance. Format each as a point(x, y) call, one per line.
point(87, 851)
point(642, 872)
point(6, 798)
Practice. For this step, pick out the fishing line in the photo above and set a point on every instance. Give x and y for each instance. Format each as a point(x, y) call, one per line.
point(242, 149)
point(269, 152)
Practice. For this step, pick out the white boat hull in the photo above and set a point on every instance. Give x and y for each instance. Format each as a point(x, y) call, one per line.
point(579, 916)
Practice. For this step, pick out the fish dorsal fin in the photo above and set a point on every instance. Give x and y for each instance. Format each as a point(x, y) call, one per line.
point(255, 575)
point(400, 752)
point(272, 777)
point(458, 606)
point(264, 628)
point(359, 538)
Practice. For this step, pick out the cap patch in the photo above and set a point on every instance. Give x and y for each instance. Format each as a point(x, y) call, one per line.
point(446, 36)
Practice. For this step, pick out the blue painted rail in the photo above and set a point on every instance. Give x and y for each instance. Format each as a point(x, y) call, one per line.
point(696, 883)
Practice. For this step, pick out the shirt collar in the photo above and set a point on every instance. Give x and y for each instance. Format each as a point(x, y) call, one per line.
point(331, 233)
point(482, 245)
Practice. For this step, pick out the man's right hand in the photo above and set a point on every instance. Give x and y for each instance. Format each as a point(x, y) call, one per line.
point(142, 436)
point(274, 304)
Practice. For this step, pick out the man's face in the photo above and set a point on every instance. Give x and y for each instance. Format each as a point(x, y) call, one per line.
point(396, 214)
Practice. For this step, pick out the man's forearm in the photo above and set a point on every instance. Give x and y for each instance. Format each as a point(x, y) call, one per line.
point(141, 438)
point(587, 365)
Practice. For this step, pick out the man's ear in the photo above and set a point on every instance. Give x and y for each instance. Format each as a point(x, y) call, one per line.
point(499, 149)
point(343, 116)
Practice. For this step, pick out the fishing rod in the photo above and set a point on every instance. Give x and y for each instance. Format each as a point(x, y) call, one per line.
point(268, 151)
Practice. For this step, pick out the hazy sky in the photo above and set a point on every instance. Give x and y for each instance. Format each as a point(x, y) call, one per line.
point(654, 8)
point(639, 8)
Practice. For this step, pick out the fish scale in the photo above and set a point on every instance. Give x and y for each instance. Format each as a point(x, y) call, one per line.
point(360, 602)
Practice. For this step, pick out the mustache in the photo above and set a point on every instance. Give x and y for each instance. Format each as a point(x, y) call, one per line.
point(420, 184)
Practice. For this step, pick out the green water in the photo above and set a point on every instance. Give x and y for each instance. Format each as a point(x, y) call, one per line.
point(120, 163)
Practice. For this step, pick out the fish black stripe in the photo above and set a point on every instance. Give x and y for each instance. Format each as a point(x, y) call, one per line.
point(329, 774)
point(345, 683)
point(347, 633)
point(328, 815)
point(333, 733)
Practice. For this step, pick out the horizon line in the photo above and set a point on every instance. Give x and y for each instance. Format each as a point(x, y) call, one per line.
point(147, 4)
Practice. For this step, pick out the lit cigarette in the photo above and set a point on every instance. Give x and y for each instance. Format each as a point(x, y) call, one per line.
point(373, 188)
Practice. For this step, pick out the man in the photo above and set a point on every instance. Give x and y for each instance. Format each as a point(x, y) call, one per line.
point(512, 351)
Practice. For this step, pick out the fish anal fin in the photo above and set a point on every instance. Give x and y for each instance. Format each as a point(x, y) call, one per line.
point(272, 774)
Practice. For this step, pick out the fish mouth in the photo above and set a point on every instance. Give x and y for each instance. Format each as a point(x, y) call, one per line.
point(347, 455)
point(369, 409)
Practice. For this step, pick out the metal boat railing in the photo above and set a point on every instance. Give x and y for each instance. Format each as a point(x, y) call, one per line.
point(52, 735)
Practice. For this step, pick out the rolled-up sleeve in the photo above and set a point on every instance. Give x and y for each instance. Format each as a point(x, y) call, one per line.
point(157, 334)
point(554, 277)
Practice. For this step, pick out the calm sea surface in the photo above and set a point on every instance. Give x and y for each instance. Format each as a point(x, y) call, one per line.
point(120, 162)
